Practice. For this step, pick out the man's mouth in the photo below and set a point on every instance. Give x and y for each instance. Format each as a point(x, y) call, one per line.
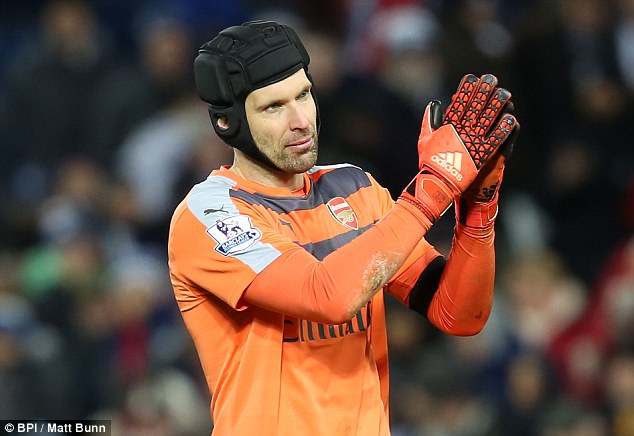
point(302, 144)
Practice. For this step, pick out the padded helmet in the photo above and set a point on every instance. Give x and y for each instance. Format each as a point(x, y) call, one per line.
point(238, 61)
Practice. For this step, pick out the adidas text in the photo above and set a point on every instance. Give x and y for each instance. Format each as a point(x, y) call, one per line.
point(450, 162)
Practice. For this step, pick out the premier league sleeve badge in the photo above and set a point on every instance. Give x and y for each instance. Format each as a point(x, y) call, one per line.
point(234, 234)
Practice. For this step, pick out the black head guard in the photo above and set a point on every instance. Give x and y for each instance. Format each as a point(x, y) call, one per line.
point(236, 62)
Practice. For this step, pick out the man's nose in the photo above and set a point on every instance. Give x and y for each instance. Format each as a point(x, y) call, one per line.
point(298, 118)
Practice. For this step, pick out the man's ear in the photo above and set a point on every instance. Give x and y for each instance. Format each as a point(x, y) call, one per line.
point(222, 122)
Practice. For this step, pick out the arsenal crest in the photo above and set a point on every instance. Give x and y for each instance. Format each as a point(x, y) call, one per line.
point(342, 212)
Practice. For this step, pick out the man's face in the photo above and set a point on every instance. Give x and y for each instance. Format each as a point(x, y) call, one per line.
point(283, 122)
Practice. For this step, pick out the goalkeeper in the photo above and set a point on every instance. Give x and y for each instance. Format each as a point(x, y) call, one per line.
point(279, 266)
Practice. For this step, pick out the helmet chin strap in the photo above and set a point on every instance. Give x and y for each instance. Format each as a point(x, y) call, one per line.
point(243, 140)
point(255, 153)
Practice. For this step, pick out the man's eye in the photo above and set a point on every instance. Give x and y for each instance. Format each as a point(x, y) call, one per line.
point(303, 94)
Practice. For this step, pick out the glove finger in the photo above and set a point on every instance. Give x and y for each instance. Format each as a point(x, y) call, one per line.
point(459, 101)
point(507, 147)
point(482, 148)
point(432, 120)
point(491, 114)
point(480, 99)
point(502, 132)
point(436, 115)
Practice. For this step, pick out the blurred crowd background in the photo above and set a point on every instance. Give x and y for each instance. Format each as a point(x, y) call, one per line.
point(102, 133)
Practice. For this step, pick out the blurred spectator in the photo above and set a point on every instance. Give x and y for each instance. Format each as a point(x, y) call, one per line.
point(328, 15)
point(573, 105)
point(408, 60)
point(156, 156)
point(409, 399)
point(624, 36)
point(528, 395)
point(49, 99)
point(575, 179)
point(544, 298)
point(18, 373)
point(619, 384)
point(74, 205)
point(567, 53)
point(615, 291)
point(453, 408)
point(574, 108)
point(567, 418)
point(365, 123)
point(158, 77)
point(476, 40)
point(580, 351)
point(166, 403)
point(205, 148)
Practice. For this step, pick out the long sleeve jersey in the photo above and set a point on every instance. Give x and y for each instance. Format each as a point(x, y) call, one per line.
point(293, 361)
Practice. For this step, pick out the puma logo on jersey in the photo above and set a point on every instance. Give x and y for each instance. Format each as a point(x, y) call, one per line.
point(222, 209)
point(451, 162)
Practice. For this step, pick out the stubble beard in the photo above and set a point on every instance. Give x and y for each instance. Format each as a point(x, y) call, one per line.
point(287, 159)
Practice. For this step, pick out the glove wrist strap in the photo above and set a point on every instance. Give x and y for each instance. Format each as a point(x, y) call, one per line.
point(428, 194)
point(476, 215)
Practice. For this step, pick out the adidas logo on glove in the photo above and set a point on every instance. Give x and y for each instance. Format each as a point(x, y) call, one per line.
point(450, 162)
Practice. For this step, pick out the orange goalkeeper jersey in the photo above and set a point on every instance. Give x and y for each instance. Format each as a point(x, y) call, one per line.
point(269, 373)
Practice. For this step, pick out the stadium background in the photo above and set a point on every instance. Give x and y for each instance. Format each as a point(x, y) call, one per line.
point(101, 133)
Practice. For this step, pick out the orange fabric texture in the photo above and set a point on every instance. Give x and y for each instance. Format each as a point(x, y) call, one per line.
point(464, 299)
point(265, 279)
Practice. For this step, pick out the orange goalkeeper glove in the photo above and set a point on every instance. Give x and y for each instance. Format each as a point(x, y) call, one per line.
point(452, 151)
point(478, 205)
